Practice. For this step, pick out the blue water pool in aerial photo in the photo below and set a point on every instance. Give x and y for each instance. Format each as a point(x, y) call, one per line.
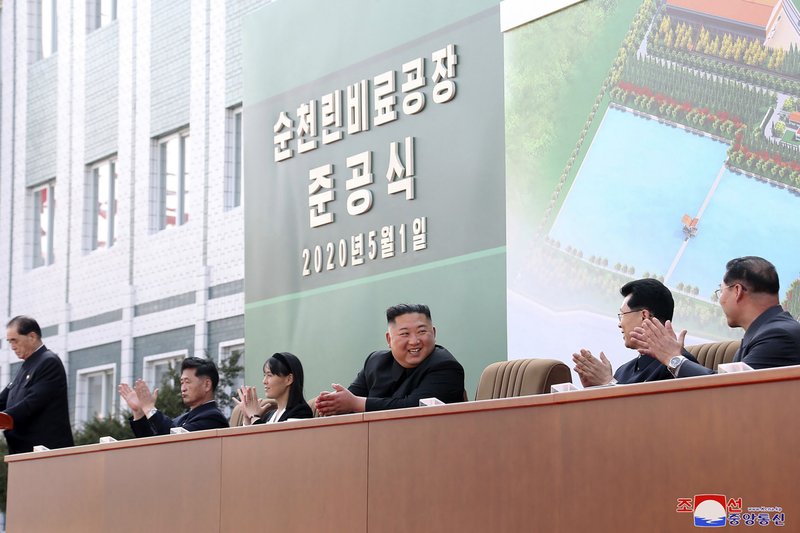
point(637, 181)
point(745, 217)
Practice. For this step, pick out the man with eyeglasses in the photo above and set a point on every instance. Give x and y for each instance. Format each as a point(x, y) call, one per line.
point(644, 299)
point(749, 298)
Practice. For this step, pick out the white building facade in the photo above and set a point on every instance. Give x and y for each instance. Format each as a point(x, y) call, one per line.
point(121, 224)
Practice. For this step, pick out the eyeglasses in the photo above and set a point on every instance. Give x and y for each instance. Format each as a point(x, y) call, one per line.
point(719, 291)
point(620, 315)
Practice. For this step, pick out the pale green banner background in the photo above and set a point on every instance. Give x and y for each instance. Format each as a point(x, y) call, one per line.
point(297, 51)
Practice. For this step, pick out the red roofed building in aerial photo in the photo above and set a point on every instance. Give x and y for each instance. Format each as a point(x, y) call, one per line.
point(755, 19)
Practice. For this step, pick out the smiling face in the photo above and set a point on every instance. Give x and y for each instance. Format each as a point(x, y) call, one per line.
point(277, 387)
point(411, 338)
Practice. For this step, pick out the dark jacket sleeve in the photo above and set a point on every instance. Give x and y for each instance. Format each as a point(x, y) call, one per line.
point(301, 410)
point(773, 348)
point(359, 386)
point(3, 399)
point(443, 380)
point(47, 383)
point(208, 419)
point(158, 424)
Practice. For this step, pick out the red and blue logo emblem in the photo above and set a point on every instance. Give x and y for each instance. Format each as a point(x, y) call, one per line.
point(710, 510)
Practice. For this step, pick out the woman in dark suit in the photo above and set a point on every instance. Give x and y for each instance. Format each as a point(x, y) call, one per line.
point(283, 383)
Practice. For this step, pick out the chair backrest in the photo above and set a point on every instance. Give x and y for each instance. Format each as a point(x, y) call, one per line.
point(236, 416)
point(521, 377)
point(712, 354)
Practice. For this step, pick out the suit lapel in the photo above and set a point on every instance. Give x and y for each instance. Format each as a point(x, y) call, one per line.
point(19, 381)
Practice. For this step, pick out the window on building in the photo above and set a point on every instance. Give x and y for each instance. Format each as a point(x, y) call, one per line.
point(95, 392)
point(42, 228)
point(174, 179)
point(101, 13)
point(104, 205)
point(233, 188)
point(157, 367)
point(48, 27)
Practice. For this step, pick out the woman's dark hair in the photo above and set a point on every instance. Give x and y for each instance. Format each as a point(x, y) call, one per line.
point(282, 364)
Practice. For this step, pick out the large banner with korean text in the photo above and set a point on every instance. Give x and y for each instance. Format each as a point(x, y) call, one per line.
point(374, 175)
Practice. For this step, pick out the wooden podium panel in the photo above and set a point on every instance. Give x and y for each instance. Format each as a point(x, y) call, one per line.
point(628, 459)
point(282, 478)
point(154, 484)
point(602, 460)
point(46, 494)
point(171, 486)
point(467, 471)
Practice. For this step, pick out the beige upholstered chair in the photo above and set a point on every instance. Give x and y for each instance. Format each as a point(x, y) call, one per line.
point(712, 354)
point(236, 416)
point(521, 377)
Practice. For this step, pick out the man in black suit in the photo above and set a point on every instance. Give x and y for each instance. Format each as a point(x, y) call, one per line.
point(414, 367)
point(199, 379)
point(643, 299)
point(748, 296)
point(36, 399)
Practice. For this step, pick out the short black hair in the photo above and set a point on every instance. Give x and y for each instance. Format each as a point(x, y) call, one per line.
point(650, 294)
point(202, 368)
point(285, 363)
point(25, 325)
point(755, 273)
point(404, 309)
